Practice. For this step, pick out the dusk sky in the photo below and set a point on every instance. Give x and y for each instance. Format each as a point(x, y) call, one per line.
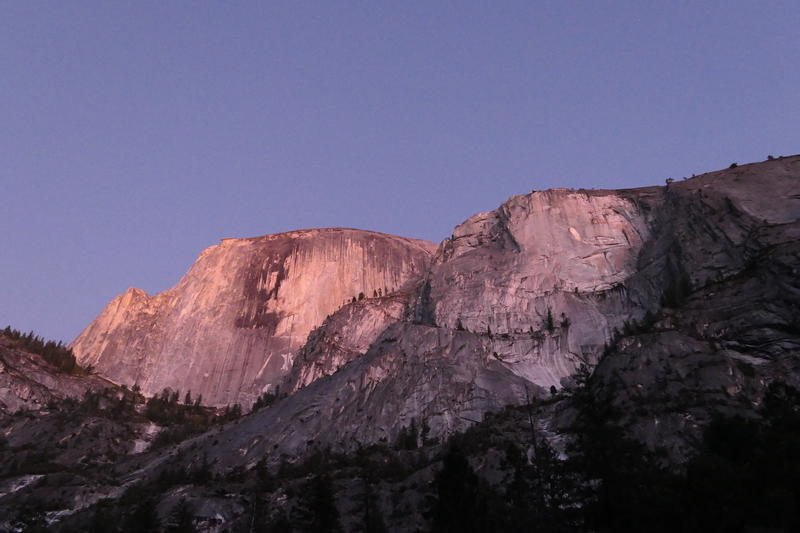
point(135, 134)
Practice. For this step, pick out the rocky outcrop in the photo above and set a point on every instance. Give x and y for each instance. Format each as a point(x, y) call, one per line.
point(542, 277)
point(539, 283)
point(726, 252)
point(345, 335)
point(475, 335)
point(28, 382)
point(449, 384)
point(232, 326)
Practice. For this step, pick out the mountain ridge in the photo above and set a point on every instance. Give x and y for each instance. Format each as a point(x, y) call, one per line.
point(544, 253)
point(582, 338)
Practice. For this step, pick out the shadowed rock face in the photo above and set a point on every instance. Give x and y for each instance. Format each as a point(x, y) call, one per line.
point(345, 336)
point(232, 326)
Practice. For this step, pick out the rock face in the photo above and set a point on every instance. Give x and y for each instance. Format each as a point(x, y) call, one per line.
point(412, 372)
point(475, 335)
point(538, 284)
point(232, 326)
point(560, 254)
point(725, 247)
point(667, 277)
point(345, 336)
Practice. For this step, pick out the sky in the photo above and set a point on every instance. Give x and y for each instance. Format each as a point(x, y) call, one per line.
point(135, 134)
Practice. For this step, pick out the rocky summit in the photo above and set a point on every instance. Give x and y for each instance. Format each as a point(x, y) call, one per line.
point(531, 291)
point(535, 278)
point(231, 327)
point(575, 360)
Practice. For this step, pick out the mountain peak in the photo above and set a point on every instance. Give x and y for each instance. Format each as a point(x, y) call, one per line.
point(232, 326)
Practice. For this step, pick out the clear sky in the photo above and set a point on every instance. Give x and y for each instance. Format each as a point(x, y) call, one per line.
point(134, 134)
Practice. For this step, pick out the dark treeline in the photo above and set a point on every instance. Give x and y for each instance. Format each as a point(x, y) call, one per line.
point(53, 352)
point(267, 399)
point(182, 421)
point(745, 477)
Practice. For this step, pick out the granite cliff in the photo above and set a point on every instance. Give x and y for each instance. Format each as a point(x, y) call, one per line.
point(231, 327)
point(511, 304)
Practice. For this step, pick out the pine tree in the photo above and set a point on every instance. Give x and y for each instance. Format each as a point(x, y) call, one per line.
point(460, 505)
point(144, 518)
point(425, 430)
point(373, 518)
point(323, 516)
point(280, 524)
point(619, 484)
point(103, 519)
point(548, 322)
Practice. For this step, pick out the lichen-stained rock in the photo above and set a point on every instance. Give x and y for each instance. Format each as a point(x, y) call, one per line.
point(232, 326)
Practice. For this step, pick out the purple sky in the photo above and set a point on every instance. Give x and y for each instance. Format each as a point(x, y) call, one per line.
point(134, 134)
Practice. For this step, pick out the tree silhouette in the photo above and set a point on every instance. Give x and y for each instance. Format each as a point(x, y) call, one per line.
point(549, 325)
point(461, 504)
point(321, 512)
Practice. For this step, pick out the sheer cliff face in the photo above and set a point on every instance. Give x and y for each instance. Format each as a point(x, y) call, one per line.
point(558, 253)
point(233, 324)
